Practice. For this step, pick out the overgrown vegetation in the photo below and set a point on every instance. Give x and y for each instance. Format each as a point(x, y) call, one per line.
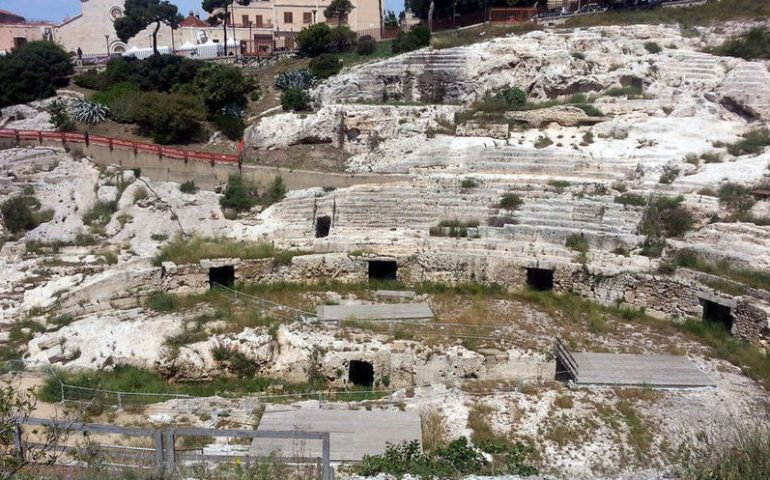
point(22, 213)
point(453, 228)
point(511, 201)
point(632, 199)
point(325, 65)
point(455, 460)
point(190, 250)
point(746, 276)
point(687, 16)
point(663, 217)
point(188, 187)
point(753, 45)
point(415, 38)
point(753, 143)
point(751, 360)
point(294, 99)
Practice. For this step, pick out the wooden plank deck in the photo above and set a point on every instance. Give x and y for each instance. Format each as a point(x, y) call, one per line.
point(657, 371)
point(377, 312)
point(354, 433)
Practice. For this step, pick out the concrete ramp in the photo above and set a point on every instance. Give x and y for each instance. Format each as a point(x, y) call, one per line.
point(378, 312)
point(354, 433)
point(657, 371)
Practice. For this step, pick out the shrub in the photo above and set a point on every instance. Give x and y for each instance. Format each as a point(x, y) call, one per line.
point(295, 99)
point(235, 361)
point(735, 197)
point(325, 65)
point(366, 45)
point(579, 55)
point(32, 72)
point(543, 141)
point(511, 201)
point(301, 79)
point(240, 194)
point(514, 97)
point(417, 37)
point(161, 302)
point(276, 191)
point(140, 193)
point(341, 38)
point(162, 73)
point(652, 47)
point(631, 199)
point(452, 228)
point(630, 91)
point(17, 214)
point(231, 126)
point(577, 242)
point(60, 117)
point(188, 187)
point(115, 92)
point(100, 214)
point(469, 183)
point(90, 113)
point(669, 174)
point(89, 79)
point(753, 143)
point(662, 218)
point(168, 117)
point(314, 40)
point(221, 87)
point(754, 44)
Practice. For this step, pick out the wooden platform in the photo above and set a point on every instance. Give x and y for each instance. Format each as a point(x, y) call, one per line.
point(354, 433)
point(656, 371)
point(377, 312)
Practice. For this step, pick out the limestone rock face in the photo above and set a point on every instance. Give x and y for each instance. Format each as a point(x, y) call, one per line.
point(564, 115)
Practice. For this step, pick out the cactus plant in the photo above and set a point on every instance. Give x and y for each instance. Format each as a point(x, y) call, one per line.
point(90, 112)
point(301, 79)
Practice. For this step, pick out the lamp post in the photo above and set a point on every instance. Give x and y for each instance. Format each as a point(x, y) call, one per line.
point(251, 40)
point(107, 42)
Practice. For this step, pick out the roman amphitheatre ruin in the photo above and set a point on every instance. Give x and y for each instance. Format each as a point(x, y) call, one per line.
point(543, 275)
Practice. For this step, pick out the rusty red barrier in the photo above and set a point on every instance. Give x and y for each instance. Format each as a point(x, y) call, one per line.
point(170, 152)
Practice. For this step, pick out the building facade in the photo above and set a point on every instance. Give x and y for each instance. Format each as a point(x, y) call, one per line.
point(16, 31)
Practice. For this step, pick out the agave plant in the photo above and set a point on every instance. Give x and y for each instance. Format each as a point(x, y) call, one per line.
point(90, 112)
point(301, 79)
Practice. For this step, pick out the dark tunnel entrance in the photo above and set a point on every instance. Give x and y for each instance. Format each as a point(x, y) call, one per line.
point(383, 269)
point(716, 313)
point(222, 276)
point(322, 226)
point(540, 279)
point(361, 373)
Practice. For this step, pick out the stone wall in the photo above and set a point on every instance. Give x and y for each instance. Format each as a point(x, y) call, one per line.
point(675, 296)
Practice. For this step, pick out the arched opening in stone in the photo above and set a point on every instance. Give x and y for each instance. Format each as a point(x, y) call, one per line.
point(322, 226)
point(361, 373)
point(222, 276)
point(540, 279)
point(383, 270)
point(717, 313)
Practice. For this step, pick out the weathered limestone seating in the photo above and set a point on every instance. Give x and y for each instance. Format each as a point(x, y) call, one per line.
point(378, 312)
point(743, 244)
point(692, 68)
point(747, 85)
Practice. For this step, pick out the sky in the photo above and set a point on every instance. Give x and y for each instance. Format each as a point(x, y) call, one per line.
point(58, 10)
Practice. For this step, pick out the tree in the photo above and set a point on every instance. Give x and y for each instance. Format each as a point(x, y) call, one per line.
point(325, 65)
point(140, 14)
point(17, 215)
point(222, 87)
point(338, 9)
point(314, 40)
point(33, 72)
point(391, 22)
point(219, 13)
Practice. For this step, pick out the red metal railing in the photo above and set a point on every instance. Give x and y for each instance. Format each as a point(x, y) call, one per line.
point(161, 151)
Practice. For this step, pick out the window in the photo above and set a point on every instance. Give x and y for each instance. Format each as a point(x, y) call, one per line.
point(19, 42)
point(116, 13)
point(288, 17)
point(307, 17)
point(259, 21)
point(245, 19)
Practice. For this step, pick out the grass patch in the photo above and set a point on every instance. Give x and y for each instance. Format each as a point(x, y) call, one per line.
point(630, 91)
point(100, 214)
point(543, 141)
point(746, 276)
point(478, 34)
point(453, 228)
point(510, 201)
point(138, 380)
point(753, 143)
point(751, 360)
point(705, 14)
point(753, 45)
point(662, 218)
point(739, 454)
point(194, 249)
point(632, 199)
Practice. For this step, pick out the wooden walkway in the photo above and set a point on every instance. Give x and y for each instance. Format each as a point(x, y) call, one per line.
point(656, 371)
point(354, 433)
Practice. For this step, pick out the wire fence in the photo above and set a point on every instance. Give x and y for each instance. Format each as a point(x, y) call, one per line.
point(284, 312)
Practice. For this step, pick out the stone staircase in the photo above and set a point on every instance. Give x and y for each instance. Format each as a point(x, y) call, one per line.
point(748, 83)
point(691, 68)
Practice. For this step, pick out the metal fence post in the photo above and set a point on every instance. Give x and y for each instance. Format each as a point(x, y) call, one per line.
point(158, 449)
point(325, 454)
point(18, 446)
point(170, 449)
